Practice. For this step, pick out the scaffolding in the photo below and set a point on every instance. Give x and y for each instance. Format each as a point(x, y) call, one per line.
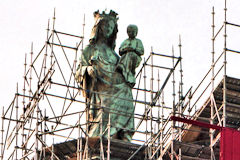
point(48, 118)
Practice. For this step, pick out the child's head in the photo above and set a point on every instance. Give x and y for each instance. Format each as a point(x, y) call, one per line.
point(132, 31)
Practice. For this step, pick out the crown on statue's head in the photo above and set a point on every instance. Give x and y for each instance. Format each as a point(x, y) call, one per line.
point(110, 16)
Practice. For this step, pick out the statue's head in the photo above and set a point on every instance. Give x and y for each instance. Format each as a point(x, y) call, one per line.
point(105, 27)
point(132, 31)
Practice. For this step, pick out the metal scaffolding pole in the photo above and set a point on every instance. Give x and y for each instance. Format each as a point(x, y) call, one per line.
point(145, 106)
point(16, 134)
point(180, 99)
point(151, 107)
point(211, 131)
point(225, 66)
point(24, 106)
point(173, 107)
point(2, 133)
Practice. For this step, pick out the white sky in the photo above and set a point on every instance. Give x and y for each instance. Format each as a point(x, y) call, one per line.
point(159, 21)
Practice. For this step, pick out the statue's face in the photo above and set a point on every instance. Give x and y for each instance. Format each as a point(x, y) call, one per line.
point(132, 32)
point(107, 28)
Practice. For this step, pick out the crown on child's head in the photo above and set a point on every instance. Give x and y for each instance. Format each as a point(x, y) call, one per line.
point(111, 16)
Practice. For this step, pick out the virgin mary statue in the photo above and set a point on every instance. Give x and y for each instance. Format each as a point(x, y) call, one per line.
point(110, 97)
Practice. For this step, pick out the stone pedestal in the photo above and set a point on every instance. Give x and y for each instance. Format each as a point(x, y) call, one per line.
point(119, 150)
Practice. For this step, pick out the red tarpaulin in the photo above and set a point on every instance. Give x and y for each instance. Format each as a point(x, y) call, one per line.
point(229, 142)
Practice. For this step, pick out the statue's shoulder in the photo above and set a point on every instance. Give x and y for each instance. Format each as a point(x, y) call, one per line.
point(138, 40)
point(88, 49)
point(126, 40)
point(87, 54)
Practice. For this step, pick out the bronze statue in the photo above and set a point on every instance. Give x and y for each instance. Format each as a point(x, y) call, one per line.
point(130, 51)
point(105, 88)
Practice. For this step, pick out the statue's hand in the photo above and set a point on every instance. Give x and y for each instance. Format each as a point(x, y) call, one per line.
point(91, 71)
point(130, 49)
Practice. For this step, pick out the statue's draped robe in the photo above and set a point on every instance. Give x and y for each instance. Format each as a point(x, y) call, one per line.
point(107, 90)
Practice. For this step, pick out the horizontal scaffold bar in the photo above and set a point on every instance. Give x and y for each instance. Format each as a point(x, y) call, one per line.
point(163, 55)
point(159, 66)
point(230, 50)
point(68, 34)
point(233, 24)
point(55, 44)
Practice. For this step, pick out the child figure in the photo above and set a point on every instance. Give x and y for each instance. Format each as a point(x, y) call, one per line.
point(130, 51)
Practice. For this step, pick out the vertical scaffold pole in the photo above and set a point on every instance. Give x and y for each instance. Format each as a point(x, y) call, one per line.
point(151, 112)
point(180, 98)
point(109, 138)
point(101, 137)
point(41, 124)
point(24, 106)
point(81, 145)
point(75, 66)
point(212, 81)
point(173, 108)
point(16, 145)
point(145, 106)
point(2, 132)
point(88, 103)
point(159, 113)
point(30, 76)
point(53, 31)
point(87, 130)
point(31, 93)
point(225, 66)
point(36, 134)
point(83, 31)
point(162, 121)
point(79, 142)
point(52, 155)
point(79, 139)
point(181, 71)
point(45, 130)
point(46, 50)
